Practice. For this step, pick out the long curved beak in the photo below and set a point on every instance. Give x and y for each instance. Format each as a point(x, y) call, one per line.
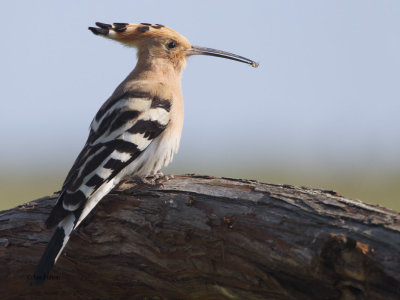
point(196, 50)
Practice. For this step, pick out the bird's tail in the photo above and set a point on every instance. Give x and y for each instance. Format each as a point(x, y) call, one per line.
point(53, 249)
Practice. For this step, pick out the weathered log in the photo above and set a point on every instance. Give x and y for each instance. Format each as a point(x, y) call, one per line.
point(209, 238)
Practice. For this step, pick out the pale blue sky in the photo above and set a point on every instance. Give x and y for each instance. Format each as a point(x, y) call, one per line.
point(327, 90)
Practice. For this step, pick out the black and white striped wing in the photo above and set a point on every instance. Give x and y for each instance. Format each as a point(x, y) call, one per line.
point(122, 129)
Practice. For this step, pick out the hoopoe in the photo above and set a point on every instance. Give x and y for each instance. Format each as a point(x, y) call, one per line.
point(135, 132)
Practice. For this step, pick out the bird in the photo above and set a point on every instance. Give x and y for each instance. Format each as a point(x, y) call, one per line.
point(136, 131)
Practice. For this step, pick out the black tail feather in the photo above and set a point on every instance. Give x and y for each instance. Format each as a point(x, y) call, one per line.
point(49, 256)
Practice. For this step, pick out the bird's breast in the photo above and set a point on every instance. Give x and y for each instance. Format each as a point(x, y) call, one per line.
point(167, 144)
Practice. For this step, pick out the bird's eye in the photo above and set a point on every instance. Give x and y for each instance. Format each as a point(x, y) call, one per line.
point(171, 45)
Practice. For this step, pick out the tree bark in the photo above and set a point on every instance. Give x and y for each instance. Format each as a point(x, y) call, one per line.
point(202, 237)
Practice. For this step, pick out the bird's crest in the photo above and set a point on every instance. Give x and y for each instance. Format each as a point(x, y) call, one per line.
point(132, 34)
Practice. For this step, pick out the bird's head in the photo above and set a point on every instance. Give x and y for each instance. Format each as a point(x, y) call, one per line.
point(155, 41)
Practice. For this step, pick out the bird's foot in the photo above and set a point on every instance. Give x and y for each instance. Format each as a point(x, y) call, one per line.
point(152, 181)
point(134, 183)
point(160, 177)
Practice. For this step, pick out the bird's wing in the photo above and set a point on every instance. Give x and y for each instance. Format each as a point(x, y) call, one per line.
point(122, 129)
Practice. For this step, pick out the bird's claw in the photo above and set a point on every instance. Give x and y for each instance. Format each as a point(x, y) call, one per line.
point(153, 181)
point(147, 181)
point(161, 177)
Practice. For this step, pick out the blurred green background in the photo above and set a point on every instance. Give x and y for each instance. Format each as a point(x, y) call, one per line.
point(363, 184)
point(322, 110)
